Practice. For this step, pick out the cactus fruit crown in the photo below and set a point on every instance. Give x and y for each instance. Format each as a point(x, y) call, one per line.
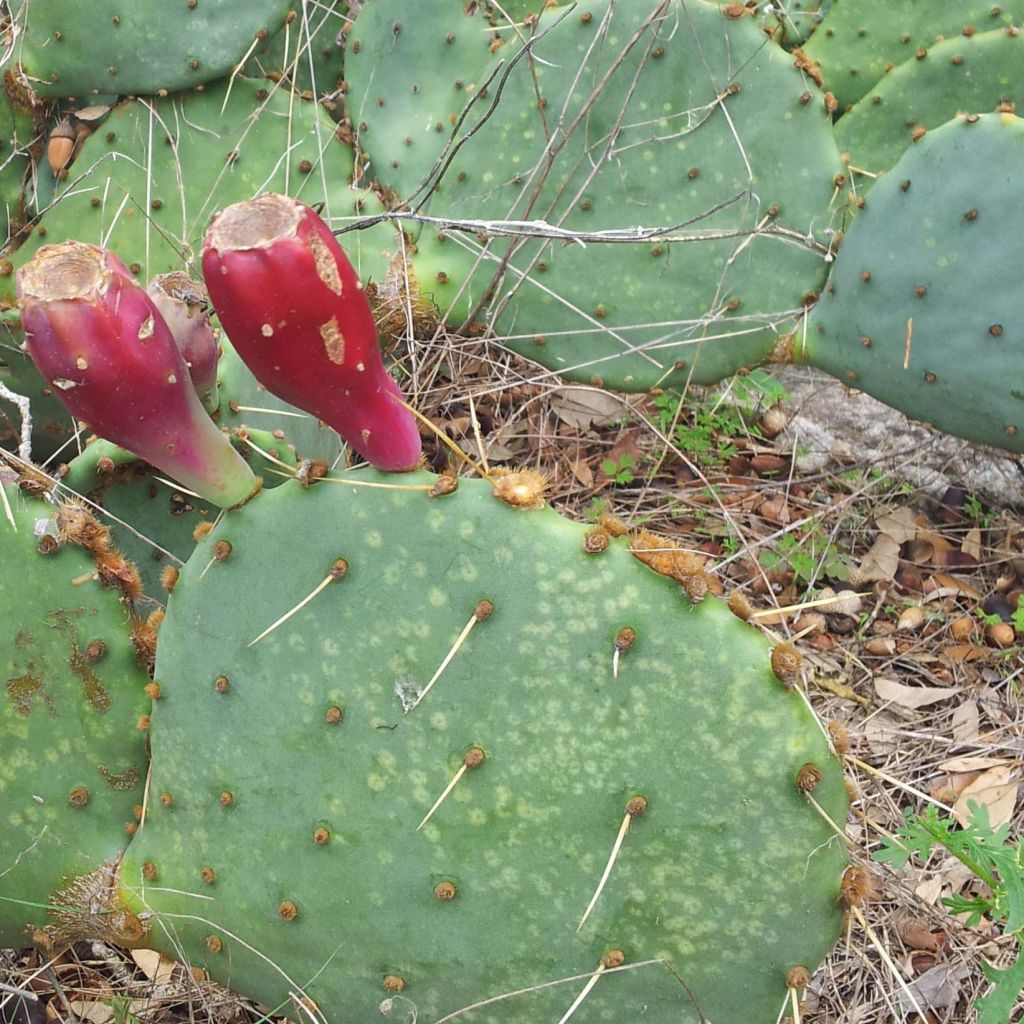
point(72, 270)
point(254, 225)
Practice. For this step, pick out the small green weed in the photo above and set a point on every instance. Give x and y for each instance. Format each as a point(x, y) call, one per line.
point(621, 474)
point(999, 864)
point(705, 432)
point(810, 554)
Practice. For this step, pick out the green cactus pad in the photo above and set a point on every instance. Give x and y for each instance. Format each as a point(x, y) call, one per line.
point(923, 309)
point(73, 762)
point(665, 142)
point(973, 73)
point(860, 40)
point(287, 857)
point(138, 47)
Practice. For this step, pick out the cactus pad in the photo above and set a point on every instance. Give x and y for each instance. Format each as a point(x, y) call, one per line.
point(974, 73)
point(668, 114)
point(317, 755)
point(923, 308)
point(73, 762)
point(859, 41)
point(138, 47)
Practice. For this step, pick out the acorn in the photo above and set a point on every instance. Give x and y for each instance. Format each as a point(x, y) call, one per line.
point(60, 149)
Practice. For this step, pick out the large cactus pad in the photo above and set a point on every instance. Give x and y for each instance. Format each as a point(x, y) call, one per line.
point(112, 46)
point(923, 307)
point(285, 857)
point(618, 118)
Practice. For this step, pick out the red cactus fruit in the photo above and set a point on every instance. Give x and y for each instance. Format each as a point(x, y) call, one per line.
point(185, 305)
point(294, 310)
point(103, 346)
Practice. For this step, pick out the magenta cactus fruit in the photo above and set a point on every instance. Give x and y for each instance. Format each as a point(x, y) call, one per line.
point(101, 343)
point(295, 311)
point(185, 305)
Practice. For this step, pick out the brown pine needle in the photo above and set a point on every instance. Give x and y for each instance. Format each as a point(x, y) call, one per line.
point(446, 440)
point(476, 434)
point(473, 759)
point(887, 960)
point(896, 782)
point(796, 1005)
point(906, 343)
point(338, 570)
point(636, 806)
point(481, 612)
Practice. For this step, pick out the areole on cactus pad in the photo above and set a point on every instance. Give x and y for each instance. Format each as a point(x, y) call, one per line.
point(295, 311)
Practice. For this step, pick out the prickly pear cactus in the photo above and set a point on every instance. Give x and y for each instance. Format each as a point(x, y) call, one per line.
point(581, 696)
point(672, 117)
point(72, 714)
point(860, 41)
point(138, 47)
point(966, 73)
point(922, 308)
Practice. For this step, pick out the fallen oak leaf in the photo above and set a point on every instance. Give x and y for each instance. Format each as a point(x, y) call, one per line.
point(993, 789)
point(911, 697)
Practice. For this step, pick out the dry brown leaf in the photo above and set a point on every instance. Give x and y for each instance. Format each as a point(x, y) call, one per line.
point(582, 472)
point(930, 890)
point(911, 696)
point(994, 790)
point(971, 763)
point(959, 653)
point(880, 730)
point(882, 561)
point(965, 722)
point(972, 543)
point(583, 407)
point(918, 935)
point(625, 444)
point(900, 525)
point(155, 966)
point(775, 510)
point(944, 585)
point(938, 988)
point(92, 1011)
